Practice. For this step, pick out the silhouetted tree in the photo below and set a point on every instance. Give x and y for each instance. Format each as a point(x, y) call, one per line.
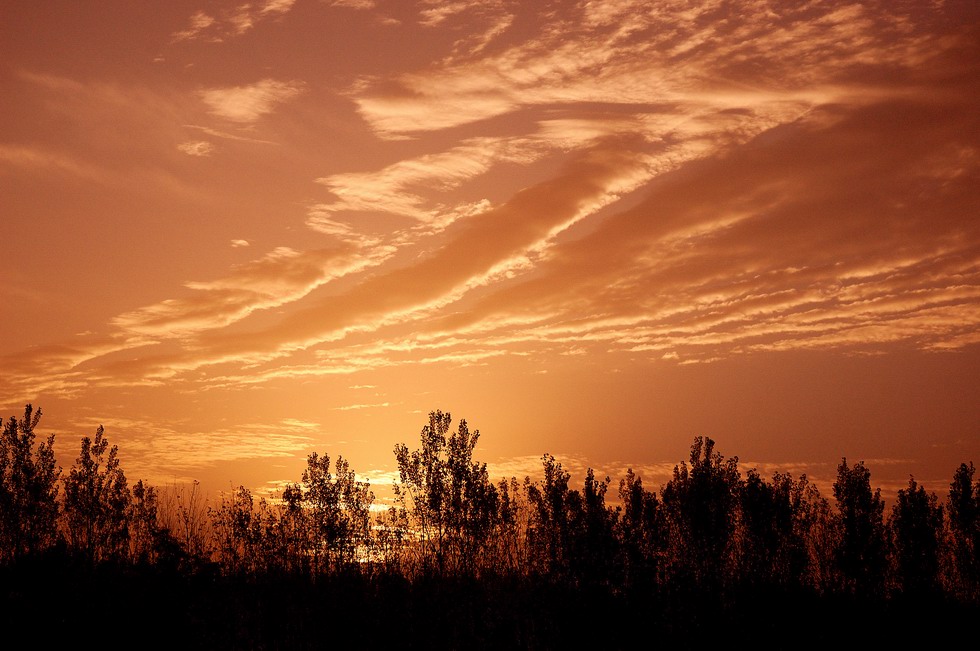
point(184, 513)
point(701, 507)
point(473, 501)
point(336, 510)
point(642, 532)
point(512, 553)
point(461, 561)
point(97, 502)
point(28, 488)
point(555, 507)
point(767, 525)
point(861, 549)
point(391, 533)
point(915, 526)
point(817, 529)
point(149, 541)
point(594, 539)
point(238, 533)
point(446, 496)
point(964, 525)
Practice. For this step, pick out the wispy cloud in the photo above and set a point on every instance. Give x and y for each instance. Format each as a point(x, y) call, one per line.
point(354, 4)
point(230, 21)
point(217, 133)
point(631, 53)
point(41, 158)
point(375, 405)
point(199, 24)
point(160, 453)
point(399, 188)
point(673, 183)
point(281, 276)
point(246, 104)
point(196, 148)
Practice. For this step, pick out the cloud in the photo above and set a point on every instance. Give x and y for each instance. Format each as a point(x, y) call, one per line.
point(393, 297)
point(406, 187)
point(231, 22)
point(719, 200)
point(196, 148)
point(227, 136)
point(281, 276)
point(631, 53)
point(804, 258)
point(354, 4)
point(491, 239)
point(276, 6)
point(237, 244)
point(362, 406)
point(200, 23)
point(247, 104)
point(159, 453)
point(41, 158)
point(95, 122)
point(398, 188)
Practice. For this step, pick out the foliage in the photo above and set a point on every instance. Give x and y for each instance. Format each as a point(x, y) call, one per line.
point(448, 497)
point(964, 525)
point(28, 488)
point(331, 514)
point(642, 532)
point(701, 509)
point(149, 541)
point(97, 502)
point(915, 526)
point(461, 560)
point(861, 548)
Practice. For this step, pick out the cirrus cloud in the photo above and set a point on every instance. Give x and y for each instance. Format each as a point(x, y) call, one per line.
point(246, 104)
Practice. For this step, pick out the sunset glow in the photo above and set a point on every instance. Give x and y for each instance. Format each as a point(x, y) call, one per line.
point(237, 233)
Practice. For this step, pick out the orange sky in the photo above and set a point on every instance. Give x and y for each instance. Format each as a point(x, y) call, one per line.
point(236, 233)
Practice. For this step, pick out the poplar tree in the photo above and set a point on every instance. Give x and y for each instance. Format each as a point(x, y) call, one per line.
point(97, 502)
point(28, 488)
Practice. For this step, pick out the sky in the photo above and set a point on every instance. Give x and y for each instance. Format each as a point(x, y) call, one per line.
point(236, 233)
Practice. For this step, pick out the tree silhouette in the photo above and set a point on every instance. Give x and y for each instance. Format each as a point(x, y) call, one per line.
point(149, 541)
point(554, 508)
point(915, 525)
point(97, 502)
point(861, 549)
point(335, 511)
point(238, 533)
point(701, 508)
point(642, 532)
point(461, 561)
point(512, 553)
point(447, 497)
point(184, 514)
point(28, 488)
point(595, 542)
point(964, 524)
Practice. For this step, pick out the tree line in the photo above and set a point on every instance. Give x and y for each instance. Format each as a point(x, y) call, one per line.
point(712, 543)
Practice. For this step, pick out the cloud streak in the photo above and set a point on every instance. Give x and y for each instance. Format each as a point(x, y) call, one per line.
point(246, 104)
point(573, 188)
point(281, 276)
point(230, 22)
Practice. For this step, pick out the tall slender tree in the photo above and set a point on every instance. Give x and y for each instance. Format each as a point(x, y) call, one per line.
point(446, 496)
point(97, 501)
point(28, 488)
point(915, 526)
point(861, 548)
point(701, 504)
point(964, 525)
